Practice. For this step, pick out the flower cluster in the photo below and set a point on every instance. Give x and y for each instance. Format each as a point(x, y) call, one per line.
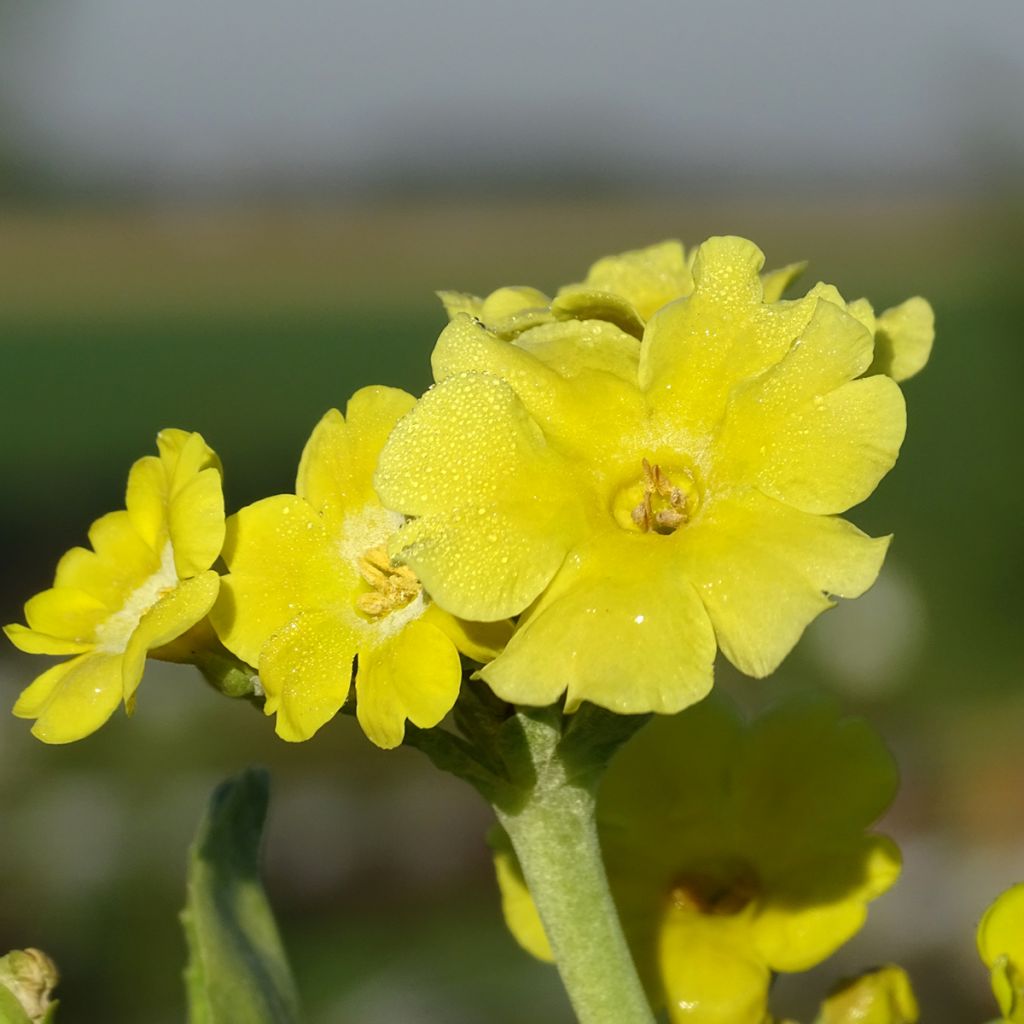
point(601, 491)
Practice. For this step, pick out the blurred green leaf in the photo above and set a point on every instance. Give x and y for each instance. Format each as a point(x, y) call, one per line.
point(237, 971)
point(11, 1011)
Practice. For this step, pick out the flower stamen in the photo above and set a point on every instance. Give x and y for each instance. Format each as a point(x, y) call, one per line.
point(715, 894)
point(664, 507)
point(392, 586)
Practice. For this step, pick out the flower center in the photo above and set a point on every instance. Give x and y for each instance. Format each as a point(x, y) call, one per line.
point(661, 501)
point(391, 586)
point(719, 893)
point(113, 634)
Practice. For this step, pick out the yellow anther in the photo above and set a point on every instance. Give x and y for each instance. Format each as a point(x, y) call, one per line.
point(393, 586)
point(663, 508)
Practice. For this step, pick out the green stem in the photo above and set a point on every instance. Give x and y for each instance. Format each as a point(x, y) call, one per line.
point(553, 830)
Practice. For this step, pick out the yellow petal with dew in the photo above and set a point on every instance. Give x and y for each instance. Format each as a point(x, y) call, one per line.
point(807, 914)
point(765, 570)
point(466, 346)
point(590, 346)
point(904, 338)
point(73, 699)
point(646, 278)
point(460, 302)
point(618, 626)
point(336, 469)
point(504, 303)
point(696, 351)
point(481, 641)
point(830, 455)
point(105, 579)
point(282, 562)
point(414, 674)
point(517, 904)
point(709, 974)
point(496, 506)
point(174, 614)
point(33, 642)
point(66, 613)
point(306, 672)
point(785, 808)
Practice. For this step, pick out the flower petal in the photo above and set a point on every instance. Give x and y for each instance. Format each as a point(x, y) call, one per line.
point(122, 551)
point(786, 810)
point(618, 626)
point(66, 613)
point(775, 282)
point(282, 562)
point(337, 465)
point(414, 674)
point(1001, 931)
point(306, 671)
point(33, 642)
point(73, 699)
point(806, 432)
point(809, 913)
point(574, 349)
point(763, 571)
point(174, 614)
point(709, 973)
point(497, 506)
point(697, 350)
point(646, 278)
point(903, 341)
point(177, 495)
point(481, 641)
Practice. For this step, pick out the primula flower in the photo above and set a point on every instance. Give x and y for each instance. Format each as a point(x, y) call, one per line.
point(645, 502)
point(629, 288)
point(734, 851)
point(146, 581)
point(1001, 945)
point(311, 587)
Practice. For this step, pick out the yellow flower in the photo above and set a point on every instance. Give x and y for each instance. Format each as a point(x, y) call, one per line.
point(735, 850)
point(146, 581)
point(643, 503)
point(881, 996)
point(1001, 945)
point(629, 288)
point(311, 587)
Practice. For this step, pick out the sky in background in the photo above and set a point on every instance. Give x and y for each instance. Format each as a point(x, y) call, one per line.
point(199, 93)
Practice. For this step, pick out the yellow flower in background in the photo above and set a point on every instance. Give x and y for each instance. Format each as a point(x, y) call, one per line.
point(629, 288)
point(881, 996)
point(311, 586)
point(734, 851)
point(146, 581)
point(1001, 946)
point(645, 503)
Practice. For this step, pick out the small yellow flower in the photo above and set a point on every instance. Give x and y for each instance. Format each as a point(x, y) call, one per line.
point(646, 502)
point(735, 850)
point(629, 288)
point(881, 996)
point(1001, 945)
point(146, 581)
point(311, 586)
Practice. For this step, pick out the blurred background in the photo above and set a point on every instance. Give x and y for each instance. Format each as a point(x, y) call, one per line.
point(228, 216)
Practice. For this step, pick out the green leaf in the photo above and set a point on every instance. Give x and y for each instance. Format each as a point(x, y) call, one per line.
point(237, 971)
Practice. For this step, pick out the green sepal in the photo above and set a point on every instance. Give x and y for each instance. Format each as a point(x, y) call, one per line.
point(237, 970)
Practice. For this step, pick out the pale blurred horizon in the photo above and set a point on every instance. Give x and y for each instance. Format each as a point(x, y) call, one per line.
point(189, 98)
